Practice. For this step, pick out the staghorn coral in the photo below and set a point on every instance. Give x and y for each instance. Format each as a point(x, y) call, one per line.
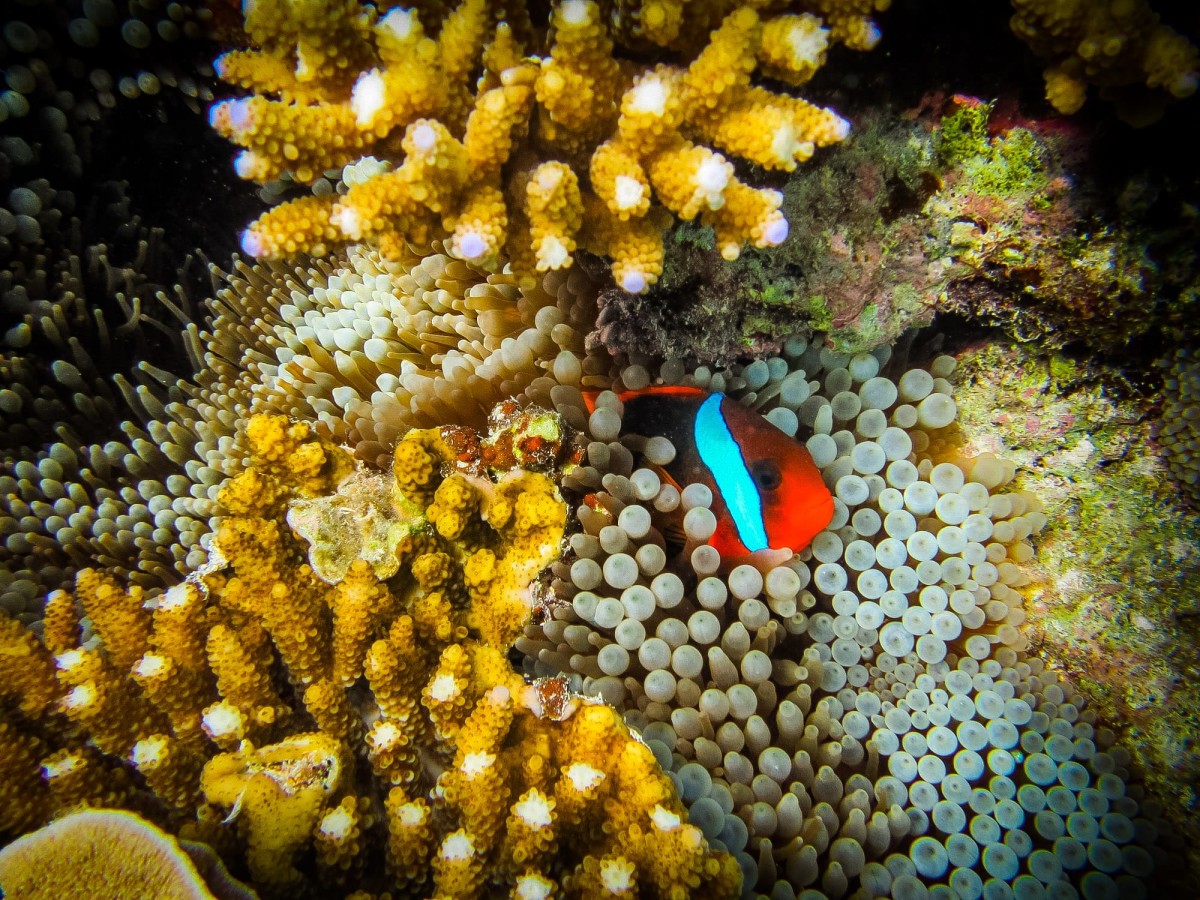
point(561, 143)
point(976, 209)
point(266, 707)
point(1113, 45)
point(864, 718)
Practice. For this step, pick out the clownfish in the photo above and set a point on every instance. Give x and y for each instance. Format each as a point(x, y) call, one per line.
point(768, 493)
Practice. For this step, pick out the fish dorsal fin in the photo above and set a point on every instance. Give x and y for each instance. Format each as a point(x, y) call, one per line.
point(663, 390)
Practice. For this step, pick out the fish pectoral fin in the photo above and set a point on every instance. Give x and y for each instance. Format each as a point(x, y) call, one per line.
point(664, 476)
point(672, 532)
point(674, 535)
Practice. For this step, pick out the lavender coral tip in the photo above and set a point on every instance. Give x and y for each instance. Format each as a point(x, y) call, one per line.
point(633, 283)
point(252, 243)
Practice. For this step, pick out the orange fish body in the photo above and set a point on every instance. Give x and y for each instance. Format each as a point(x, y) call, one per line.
point(767, 491)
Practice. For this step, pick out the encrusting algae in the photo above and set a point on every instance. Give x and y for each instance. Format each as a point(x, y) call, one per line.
point(259, 705)
point(561, 143)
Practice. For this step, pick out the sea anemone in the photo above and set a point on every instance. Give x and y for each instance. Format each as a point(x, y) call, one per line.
point(866, 714)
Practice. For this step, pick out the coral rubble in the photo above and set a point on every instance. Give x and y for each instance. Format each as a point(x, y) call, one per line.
point(1179, 433)
point(1113, 600)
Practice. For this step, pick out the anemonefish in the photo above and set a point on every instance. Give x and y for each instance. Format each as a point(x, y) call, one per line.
point(767, 491)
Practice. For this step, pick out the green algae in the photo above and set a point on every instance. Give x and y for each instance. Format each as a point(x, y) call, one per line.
point(963, 134)
point(1013, 162)
point(913, 216)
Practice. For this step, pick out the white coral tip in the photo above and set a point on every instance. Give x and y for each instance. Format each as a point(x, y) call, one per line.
point(1185, 85)
point(713, 175)
point(347, 220)
point(576, 12)
point(423, 136)
point(628, 192)
point(399, 23)
point(649, 96)
point(553, 253)
point(457, 847)
point(246, 164)
point(252, 243)
point(338, 824)
point(367, 98)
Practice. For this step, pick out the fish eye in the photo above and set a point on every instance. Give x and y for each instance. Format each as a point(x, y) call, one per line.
point(766, 474)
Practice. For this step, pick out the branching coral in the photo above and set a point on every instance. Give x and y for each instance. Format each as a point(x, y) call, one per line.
point(396, 688)
point(608, 137)
point(1114, 45)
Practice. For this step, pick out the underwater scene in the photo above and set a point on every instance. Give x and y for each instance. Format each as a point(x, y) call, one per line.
point(599, 449)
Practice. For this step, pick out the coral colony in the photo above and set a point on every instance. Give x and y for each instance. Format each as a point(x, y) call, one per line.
point(414, 588)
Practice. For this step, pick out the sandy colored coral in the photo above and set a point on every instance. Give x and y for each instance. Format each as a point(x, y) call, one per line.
point(1113, 45)
point(280, 791)
point(393, 86)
